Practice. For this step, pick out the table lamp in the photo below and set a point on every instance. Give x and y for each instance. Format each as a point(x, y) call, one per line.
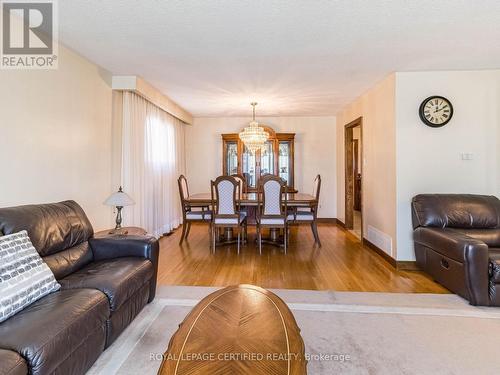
point(119, 200)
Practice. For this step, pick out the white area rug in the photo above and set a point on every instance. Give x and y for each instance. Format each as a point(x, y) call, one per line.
point(344, 333)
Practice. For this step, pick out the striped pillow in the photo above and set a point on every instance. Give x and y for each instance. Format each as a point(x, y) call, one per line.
point(24, 277)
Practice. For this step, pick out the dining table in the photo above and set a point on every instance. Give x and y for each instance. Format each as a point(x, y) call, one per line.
point(251, 200)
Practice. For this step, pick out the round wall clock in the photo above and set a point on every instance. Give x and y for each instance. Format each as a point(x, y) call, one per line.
point(435, 111)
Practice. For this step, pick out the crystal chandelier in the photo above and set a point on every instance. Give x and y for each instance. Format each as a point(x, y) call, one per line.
point(254, 136)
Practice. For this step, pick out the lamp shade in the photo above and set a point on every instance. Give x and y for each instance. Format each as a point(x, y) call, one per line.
point(119, 199)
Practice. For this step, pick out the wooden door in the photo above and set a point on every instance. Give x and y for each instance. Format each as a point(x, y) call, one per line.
point(357, 175)
point(349, 173)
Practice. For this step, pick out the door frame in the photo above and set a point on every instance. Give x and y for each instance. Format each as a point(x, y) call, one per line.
point(349, 178)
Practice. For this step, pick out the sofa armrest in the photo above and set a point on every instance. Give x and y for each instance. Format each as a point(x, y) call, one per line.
point(472, 253)
point(124, 246)
point(128, 246)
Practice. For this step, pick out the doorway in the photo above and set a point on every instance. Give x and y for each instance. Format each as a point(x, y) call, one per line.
point(354, 177)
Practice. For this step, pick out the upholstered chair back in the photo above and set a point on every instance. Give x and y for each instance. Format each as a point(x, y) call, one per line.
point(272, 194)
point(273, 191)
point(183, 188)
point(225, 191)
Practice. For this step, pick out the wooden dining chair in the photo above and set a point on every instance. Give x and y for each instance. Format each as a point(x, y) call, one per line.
point(242, 181)
point(272, 208)
point(190, 213)
point(308, 214)
point(226, 197)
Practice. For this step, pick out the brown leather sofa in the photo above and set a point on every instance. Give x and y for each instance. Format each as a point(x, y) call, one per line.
point(457, 242)
point(105, 282)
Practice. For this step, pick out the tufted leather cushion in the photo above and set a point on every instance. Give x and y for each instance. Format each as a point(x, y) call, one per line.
point(455, 211)
point(63, 325)
point(51, 227)
point(117, 278)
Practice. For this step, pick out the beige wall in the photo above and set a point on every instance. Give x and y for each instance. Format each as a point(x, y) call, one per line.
point(376, 107)
point(55, 136)
point(428, 159)
point(403, 157)
point(314, 152)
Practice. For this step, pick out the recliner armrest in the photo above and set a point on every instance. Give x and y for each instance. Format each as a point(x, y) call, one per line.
point(472, 253)
point(125, 246)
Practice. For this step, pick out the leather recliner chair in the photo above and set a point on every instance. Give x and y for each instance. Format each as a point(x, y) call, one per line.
point(105, 282)
point(457, 242)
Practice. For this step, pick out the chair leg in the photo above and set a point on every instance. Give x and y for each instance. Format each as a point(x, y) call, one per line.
point(213, 238)
point(314, 228)
point(188, 229)
point(184, 225)
point(259, 237)
point(210, 236)
point(285, 235)
point(239, 235)
point(246, 232)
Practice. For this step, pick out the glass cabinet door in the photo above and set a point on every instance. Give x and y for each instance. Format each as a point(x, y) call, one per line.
point(267, 159)
point(249, 167)
point(275, 158)
point(231, 158)
point(284, 161)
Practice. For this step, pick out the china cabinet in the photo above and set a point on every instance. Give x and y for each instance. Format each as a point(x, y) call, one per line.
point(277, 158)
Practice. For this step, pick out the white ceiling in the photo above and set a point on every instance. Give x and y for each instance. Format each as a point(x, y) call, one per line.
point(295, 57)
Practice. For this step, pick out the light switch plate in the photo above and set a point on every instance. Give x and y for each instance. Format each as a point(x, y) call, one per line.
point(467, 156)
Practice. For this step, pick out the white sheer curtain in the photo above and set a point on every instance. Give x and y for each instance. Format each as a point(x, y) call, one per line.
point(152, 160)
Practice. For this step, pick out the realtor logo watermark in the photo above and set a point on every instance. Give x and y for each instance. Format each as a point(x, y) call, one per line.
point(29, 34)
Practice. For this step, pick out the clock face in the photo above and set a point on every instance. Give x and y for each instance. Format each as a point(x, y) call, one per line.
point(436, 111)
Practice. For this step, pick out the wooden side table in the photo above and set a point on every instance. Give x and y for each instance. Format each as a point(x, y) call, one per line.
point(125, 231)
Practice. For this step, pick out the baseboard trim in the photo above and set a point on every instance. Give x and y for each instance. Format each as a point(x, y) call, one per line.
point(380, 252)
point(407, 265)
point(400, 265)
point(340, 223)
point(329, 220)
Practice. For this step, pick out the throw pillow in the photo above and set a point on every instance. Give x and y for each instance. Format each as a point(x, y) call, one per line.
point(24, 276)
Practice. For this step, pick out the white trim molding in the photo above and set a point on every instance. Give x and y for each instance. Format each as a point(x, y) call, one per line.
point(143, 88)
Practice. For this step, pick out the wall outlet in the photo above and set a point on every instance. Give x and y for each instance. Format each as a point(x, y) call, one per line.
point(467, 156)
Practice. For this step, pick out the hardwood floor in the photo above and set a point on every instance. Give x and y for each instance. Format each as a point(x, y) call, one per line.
point(341, 264)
